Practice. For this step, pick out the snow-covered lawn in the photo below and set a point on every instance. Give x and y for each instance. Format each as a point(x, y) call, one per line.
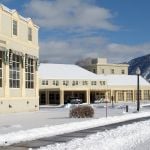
point(45, 117)
point(26, 135)
point(127, 137)
point(48, 121)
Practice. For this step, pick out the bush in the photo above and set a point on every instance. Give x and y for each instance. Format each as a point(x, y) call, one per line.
point(81, 112)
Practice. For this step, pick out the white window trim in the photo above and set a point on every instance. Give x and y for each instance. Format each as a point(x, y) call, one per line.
point(17, 28)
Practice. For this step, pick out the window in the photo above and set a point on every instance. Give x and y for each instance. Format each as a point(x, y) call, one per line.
point(55, 82)
point(135, 94)
point(102, 82)
point(66, 83)
point(15, 27)
point(0, 68)
point(85, 82)
point(122, 71)
point(29, 70)
point(75, 83)
point(112, 71)
point(94, 70)
point(93, 82)
point(120, 95)
point(29, 34)
point(14, 71)
point(146, 94)
point(103, 71)
point(44, 82)
point(129, 95)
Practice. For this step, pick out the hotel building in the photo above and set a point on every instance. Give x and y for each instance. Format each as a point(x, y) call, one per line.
point(19, 54)
point(21, 89)
point(59, 82)
point(101, 66)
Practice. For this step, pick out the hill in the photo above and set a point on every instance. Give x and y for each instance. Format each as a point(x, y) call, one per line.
point(144, 63)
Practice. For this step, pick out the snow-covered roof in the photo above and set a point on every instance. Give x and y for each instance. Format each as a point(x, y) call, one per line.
point(124, 80)
point(65, 71)
point(11, 11)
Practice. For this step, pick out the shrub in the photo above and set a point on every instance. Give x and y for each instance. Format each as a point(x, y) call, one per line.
point(81, 112)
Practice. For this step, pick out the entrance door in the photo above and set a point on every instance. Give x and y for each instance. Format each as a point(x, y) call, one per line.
point(54, 97)
point(42, 98)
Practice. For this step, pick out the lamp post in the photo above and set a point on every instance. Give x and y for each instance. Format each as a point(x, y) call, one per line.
point(138, 72)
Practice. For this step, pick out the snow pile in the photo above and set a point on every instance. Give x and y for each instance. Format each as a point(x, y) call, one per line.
point(27, 135)
point(126, 137)
point(68, 105)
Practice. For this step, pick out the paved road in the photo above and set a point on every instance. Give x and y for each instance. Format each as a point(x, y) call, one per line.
point(67, 137)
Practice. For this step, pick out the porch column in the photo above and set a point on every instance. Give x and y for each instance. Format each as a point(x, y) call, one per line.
point(23, 86)
point(133, 95)
point(6, 80)
point(61, 97)
point(88, 96)
point(116, 95)
point(112, 94)
point(106, 96)
point(125, 96)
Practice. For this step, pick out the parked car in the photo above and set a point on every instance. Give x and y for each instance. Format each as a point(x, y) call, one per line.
point(76, 101)
point(101, 100)
point(73, 100)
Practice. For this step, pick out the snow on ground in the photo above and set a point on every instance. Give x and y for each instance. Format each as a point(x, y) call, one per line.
point(27, 135)
point(127, 137)
point(47, 117)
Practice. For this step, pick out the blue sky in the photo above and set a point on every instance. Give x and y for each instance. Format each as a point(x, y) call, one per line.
point(71, 30)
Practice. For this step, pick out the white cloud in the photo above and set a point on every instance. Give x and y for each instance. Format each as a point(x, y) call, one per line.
point(74, 49)
point(70, 14)
point(84, 18)
point(127, 52)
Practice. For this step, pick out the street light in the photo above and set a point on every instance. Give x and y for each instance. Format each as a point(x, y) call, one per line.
point(138, 72)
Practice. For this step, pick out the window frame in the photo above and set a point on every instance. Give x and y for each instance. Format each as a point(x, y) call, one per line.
point(103, 71)
point(122, 71)
point(30, 34)
point(112, 71)
point(29, 73)
point(15, 71)
point(13, 28)
point(44, 82)
point(55, 82)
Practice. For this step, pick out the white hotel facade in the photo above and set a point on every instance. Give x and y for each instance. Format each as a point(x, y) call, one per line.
point(19, 54)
